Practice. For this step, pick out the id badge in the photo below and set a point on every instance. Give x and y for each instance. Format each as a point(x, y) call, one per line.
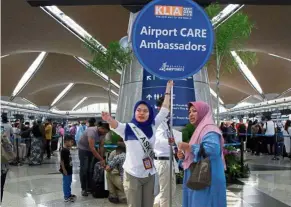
point(147, 163)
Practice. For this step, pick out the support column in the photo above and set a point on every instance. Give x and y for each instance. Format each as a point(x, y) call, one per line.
point(201, 87)
point(130, 84)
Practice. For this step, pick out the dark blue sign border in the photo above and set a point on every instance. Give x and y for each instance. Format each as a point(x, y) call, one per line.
point(134, 41)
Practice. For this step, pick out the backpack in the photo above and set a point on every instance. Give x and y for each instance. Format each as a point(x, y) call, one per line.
point(98, 190)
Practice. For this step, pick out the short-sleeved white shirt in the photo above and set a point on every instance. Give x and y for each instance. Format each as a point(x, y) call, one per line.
point(133, 164)
point(269, 126)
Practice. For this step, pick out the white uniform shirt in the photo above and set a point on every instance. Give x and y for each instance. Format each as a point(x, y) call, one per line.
point(133, 164)
point(270, 128)
point(161, 148)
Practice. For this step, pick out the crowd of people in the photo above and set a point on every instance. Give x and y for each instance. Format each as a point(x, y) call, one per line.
point(137, 171)
point(261, 137)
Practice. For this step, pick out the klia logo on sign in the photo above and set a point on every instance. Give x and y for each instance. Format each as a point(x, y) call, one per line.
point(177, 11)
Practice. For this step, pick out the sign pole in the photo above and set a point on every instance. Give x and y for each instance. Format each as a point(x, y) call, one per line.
point(170, 146)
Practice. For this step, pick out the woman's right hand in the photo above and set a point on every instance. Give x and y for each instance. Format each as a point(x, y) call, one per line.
point(106, 116)
point(180, 155)
point(112, 122)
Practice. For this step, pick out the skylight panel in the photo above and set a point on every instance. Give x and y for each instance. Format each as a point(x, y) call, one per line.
point(215, 95)
point(78, 104)
point(62, 94)
point(246, 72)
point(98, 72)
point(29, 73)
point(278, 56)
point(225, 14)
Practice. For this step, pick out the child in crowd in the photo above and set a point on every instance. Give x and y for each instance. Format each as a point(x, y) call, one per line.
point(66, 168)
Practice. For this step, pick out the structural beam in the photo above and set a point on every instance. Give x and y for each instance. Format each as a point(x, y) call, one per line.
point(143, 2)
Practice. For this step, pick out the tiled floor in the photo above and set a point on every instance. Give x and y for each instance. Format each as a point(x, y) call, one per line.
point(41, 186)
point(271, 178)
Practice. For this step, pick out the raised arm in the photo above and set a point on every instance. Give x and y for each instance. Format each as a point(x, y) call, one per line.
point(116, 126)
point(111, 121)
point(164, 112)
point(166, 103)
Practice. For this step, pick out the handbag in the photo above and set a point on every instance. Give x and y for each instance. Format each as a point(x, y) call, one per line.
point(200, 177)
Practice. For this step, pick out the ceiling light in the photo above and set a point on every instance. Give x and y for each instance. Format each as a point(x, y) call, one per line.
point(280, 57)
point(97, 72)
point(82, 100)
point(247, 73)
point(62, 94)
point(215, 95)
point(29, 74)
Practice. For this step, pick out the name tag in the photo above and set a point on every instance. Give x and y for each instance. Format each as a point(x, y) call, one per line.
point(147, 163)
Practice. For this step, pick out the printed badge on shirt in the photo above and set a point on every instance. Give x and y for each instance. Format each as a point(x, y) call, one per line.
point(147, 162)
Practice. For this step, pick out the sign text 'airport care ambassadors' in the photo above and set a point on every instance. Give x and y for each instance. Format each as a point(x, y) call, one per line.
point(172, 39)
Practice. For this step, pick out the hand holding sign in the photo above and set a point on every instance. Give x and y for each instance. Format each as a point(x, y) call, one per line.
point(180, 155)
point(170, 84)
point(185, 147)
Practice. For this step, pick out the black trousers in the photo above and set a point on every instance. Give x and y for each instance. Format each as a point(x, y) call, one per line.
point(48, 148)
point(3, 179)
point(87, 162)
point(258, 142)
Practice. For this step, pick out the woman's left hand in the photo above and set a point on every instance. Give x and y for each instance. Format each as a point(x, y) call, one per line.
point(184, 147)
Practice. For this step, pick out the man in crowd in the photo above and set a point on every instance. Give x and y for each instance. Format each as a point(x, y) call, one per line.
point(48, 137)
point(7, 126)
point(162, 163)
point(87, 152)
point(25, 135)
point(241, 130)
point(269, 128)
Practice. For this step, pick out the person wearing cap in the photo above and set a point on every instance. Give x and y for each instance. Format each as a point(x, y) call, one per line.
point(87, 152)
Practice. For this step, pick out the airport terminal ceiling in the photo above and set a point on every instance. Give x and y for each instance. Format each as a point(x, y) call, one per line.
point(32, 31)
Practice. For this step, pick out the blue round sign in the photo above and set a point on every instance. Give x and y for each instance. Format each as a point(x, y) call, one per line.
point(172, 39)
